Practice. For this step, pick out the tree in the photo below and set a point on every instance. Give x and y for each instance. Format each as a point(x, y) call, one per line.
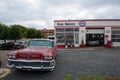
point(4, 32)
point(31, 33)
point(23, 30)
point(1, 31)
point(38, 34)
point(15, 32)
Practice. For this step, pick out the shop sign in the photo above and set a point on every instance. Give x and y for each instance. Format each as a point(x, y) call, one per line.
point(60, 24)
point(65, 24)
point(82, 23)
point(73, 24)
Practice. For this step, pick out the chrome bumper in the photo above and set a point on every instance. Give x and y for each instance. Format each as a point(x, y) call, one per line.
point(29, 64)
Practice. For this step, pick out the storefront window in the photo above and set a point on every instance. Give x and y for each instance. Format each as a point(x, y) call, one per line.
point(60, 37)
point(66, 36)
point(69, 37)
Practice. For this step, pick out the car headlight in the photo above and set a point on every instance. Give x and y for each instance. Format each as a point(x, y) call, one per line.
point(11, 56)
point(48, 57)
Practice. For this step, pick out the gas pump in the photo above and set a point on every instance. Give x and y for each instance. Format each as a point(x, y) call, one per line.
point(109, 42)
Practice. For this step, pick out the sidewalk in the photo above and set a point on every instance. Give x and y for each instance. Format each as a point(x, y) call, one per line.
point(86, 48)
point(78, 48)
point(4, 72)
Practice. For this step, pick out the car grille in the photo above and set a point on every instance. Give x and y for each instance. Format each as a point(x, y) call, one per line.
point(29, 56)
point(33, 64)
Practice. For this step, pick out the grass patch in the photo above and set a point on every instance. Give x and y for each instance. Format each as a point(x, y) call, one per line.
point(81, 77)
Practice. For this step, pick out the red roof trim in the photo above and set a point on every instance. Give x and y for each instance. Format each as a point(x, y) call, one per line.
point(87, 20)
point(66, 26)
point(86, 26)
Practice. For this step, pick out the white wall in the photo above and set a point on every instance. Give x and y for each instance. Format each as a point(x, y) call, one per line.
point(95, 31)
point(82, 33)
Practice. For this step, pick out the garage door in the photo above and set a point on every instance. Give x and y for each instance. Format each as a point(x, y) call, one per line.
point(116, 37)
point(95, 31)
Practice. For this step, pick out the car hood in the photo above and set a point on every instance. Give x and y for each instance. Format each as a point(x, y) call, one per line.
point(34, 50)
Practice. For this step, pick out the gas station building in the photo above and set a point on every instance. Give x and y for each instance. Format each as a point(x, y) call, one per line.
point(83, 33)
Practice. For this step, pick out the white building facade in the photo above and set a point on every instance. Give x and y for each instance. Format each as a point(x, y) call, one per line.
point(82, 33)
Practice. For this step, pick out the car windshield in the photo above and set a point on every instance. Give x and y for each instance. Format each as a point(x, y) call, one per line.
point(41, 43)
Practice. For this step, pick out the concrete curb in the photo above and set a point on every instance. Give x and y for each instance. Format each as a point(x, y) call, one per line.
point(78, 49)
point(87, 48)
point(4, 72)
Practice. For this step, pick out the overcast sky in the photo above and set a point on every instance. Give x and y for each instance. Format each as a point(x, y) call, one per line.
point(40, 14)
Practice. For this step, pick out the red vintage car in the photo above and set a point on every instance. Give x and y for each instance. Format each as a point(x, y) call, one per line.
point(39, 55)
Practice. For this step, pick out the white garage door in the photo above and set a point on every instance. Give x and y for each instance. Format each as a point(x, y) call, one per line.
point(116, 37)
point(95, 31)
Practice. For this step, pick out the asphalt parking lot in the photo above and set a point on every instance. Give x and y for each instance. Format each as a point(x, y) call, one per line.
point(101, 61)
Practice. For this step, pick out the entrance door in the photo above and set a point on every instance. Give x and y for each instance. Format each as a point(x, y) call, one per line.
point(76, 39)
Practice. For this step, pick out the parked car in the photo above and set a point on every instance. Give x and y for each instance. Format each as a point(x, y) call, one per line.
point(39, 55)
point(18, 45)
point(10, 45)
point(93, 43)
point(1, 42)
point(7, 46)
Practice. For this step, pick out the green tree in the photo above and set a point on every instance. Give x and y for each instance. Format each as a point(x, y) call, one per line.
point(31, 33)
point(38, 34)
point(4, 32)
point(23, 30)
point(15, 32)
point(1, 31)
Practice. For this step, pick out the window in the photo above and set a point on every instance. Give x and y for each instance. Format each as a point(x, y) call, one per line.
point(76, 38)
point(69, 37)
point(41, 43)
point(66, 34)
point(76, 29)
point(60, 37)
point(69, 29)
point(116, 35)
point(60, 30)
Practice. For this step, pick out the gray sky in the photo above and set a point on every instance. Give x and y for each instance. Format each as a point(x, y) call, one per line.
point(40, 14)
